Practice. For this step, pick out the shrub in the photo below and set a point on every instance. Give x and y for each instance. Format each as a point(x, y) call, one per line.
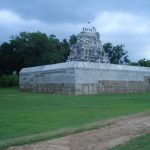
point(9, 80)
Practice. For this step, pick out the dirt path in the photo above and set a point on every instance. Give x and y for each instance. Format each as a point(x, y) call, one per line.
point(121, 131)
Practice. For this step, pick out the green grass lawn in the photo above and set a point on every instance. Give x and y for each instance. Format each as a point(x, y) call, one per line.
point(140, 143)
point(29, 113)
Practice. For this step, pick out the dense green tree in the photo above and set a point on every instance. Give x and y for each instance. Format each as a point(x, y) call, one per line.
point(31, 49)
point(8, 59)
point(142, 62)
point(66, 49)
point(116, 54)
point(133, 64)
point(73, 39)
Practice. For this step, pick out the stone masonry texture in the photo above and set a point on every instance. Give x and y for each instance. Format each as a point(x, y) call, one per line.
point(88, 47)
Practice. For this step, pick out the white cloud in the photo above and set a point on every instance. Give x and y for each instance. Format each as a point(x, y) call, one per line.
point(6, 17)
point(112, 22)
point(12, 24)
point(126, 28)
point(116, 27)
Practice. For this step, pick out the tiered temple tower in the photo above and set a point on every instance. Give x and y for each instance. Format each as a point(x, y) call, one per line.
point(88, 47)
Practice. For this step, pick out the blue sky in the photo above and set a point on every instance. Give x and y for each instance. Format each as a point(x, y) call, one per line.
point(118, 21)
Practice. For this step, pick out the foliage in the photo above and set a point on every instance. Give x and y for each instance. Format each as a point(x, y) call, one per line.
point(73, 39)
point(141, 62)
point(140, 143)
point(9, 81)
point(133, 64)
point(144, 62)
point(31, 49)
point(116, 54)
point(24, 114)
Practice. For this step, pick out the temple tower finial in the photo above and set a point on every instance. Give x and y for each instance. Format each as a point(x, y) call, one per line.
point(89, 27)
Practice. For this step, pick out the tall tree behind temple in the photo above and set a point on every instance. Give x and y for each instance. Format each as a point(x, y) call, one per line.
point(116, 54)
point(73, 39)
point(31, 49)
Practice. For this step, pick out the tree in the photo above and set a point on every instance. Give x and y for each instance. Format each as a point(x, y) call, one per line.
point(31, 49)
point(73, 39)
point(142, 62)
point(116, 54)
point(66, 49)
point(134, 64)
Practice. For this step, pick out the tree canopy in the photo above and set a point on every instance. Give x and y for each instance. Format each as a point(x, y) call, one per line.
point(31, 49)
point(116, 54)
point(142, 62)
point(73, 39)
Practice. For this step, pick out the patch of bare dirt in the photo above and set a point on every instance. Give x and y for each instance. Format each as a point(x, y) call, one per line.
point(121, 131)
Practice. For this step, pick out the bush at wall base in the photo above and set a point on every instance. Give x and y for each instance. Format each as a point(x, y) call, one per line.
point(9, 80)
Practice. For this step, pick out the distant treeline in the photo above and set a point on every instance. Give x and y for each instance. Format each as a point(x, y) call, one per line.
point(34, 49)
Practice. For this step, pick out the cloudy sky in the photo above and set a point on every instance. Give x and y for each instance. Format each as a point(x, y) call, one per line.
point(118, 21)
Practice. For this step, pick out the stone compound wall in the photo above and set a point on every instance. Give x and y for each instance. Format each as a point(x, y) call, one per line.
point(80, 78)
point(59, 81)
